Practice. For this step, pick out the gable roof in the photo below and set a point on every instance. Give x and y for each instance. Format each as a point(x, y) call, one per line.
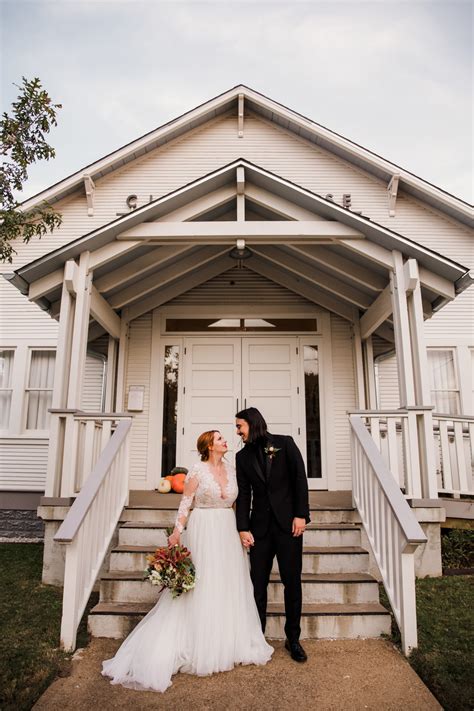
point(280, 115)
point(326, 209)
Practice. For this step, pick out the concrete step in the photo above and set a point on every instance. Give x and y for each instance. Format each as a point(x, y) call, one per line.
point(125, 586)
point(342, 559)
point(167, 516)
point(317, 534)
point(323, 621)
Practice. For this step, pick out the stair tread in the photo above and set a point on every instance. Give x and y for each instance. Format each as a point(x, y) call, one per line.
point(310, 526)
point(275, 609)
point(323, 550)
point(305, 577)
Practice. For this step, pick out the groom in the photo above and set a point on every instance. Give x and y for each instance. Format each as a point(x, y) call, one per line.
point(272, 482)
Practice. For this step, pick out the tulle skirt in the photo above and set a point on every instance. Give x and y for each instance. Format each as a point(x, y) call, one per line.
point(208, 629)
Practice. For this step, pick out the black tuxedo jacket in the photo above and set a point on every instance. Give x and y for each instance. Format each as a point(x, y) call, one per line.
point(282, 489)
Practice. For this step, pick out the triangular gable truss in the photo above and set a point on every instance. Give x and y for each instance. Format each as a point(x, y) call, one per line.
point(238, 100)
point(339, 260)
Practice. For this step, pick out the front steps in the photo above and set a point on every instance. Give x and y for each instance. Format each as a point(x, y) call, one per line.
point(340, 598)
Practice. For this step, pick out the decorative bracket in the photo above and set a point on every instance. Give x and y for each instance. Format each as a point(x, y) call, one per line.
point(240, 114)
point(392, 190)
point(89, 187)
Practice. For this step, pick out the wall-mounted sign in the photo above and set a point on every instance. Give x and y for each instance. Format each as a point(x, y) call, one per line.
point(136, 394)
point(346, 202)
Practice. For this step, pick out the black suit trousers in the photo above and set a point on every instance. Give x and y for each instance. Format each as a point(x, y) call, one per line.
point(289, 553)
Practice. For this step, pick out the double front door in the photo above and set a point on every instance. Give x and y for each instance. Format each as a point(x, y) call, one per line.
point(224, 375)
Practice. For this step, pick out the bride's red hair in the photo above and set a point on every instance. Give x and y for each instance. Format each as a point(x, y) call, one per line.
point(205, 440)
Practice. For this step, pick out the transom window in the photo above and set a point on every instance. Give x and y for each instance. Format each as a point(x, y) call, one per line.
point(265, 325)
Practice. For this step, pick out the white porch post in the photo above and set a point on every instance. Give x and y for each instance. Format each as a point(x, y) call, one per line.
point(60, 388)
point(422, 389)
point(369, 372)
point(406, 384)
point(358, 361)
point(83, 286)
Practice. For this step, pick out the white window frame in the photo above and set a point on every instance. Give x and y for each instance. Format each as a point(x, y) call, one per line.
point(457, 389)
point(10, 349)
point(21, 363)
point(27, 389)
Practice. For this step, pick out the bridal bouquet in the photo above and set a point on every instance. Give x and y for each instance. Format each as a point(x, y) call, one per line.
point(171, 568)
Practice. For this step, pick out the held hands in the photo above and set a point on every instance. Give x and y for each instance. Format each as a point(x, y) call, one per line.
point(298, 528)
point(246, 538)
point(174, 539)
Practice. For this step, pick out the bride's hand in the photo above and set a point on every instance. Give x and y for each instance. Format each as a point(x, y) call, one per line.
point(174, 539)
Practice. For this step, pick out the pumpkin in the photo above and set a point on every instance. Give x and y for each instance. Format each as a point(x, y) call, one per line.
point(178, 483)
point(164, 486)
point(179, 470)
point(169, 478)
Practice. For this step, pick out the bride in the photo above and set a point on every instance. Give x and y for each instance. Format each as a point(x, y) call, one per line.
point(216, 625)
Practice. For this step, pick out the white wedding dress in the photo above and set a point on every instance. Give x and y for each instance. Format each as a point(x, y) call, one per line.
point(212, 627)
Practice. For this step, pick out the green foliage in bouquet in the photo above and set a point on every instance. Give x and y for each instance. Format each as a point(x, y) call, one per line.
point(171, 568)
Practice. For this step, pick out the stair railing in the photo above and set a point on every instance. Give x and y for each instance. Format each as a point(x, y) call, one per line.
point(392, 529)
point(89, 527)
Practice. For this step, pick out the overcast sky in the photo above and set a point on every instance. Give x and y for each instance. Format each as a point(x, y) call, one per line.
point(396, 77)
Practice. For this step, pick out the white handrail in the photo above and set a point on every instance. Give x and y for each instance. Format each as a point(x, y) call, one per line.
point(89, 526)
point(392, 529)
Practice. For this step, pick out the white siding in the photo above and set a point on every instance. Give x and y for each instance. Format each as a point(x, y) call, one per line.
point(240, 286)
point(387, 377)
point(343, 397)
point(93, 383)
point(138, 373)
point(23, 464)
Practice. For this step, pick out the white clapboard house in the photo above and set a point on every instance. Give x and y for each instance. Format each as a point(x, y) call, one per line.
point(241, 254)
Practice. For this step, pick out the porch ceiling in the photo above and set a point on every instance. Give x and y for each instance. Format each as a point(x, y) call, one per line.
point(327, 254)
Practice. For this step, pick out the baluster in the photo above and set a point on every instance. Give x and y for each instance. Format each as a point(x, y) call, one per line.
point(88, 456)
point(106, 433)
point(415, 488)
point(375, 431)
point(470, 461)
point(460, 457)
point(445, 457)
point(393, 448)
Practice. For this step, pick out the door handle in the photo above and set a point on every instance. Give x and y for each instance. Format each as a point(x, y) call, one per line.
point(237, 403)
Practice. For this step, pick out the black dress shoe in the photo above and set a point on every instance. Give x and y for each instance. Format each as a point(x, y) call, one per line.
point(296, 651)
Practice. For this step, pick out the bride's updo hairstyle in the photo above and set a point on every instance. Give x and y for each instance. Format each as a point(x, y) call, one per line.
point(205, 440)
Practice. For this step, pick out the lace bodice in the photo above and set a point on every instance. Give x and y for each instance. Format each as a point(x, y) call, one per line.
point(202, 487)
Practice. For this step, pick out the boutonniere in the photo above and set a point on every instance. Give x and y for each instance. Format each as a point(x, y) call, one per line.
point(271, 451)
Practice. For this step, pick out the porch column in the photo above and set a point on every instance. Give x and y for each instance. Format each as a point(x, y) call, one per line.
point(406, 384)
point(60, 386)
point(358, 361)
point(82, 288)
point(421, 382)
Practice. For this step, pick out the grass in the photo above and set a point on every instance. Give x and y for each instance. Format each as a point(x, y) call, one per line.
point(444, 658)
point(30, 619)
point(457, 548)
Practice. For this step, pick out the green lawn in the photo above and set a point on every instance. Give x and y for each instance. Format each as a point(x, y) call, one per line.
point(30, 618)
point(444, 658)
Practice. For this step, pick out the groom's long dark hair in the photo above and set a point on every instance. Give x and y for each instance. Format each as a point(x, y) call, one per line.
point(256, 423)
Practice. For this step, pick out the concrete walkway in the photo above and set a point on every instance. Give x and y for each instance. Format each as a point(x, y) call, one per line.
point(355, 674)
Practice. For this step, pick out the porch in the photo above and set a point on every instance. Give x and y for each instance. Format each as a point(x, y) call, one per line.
point(340, 266)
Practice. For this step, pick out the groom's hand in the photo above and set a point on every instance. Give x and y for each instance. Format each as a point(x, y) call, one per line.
point(298, 528)
point(246, 538)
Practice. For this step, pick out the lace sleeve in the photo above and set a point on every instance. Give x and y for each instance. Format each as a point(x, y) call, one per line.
point(190, 486)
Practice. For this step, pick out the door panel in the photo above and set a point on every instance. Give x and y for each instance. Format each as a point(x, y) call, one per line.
point(269, 382)
point(212, 382)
